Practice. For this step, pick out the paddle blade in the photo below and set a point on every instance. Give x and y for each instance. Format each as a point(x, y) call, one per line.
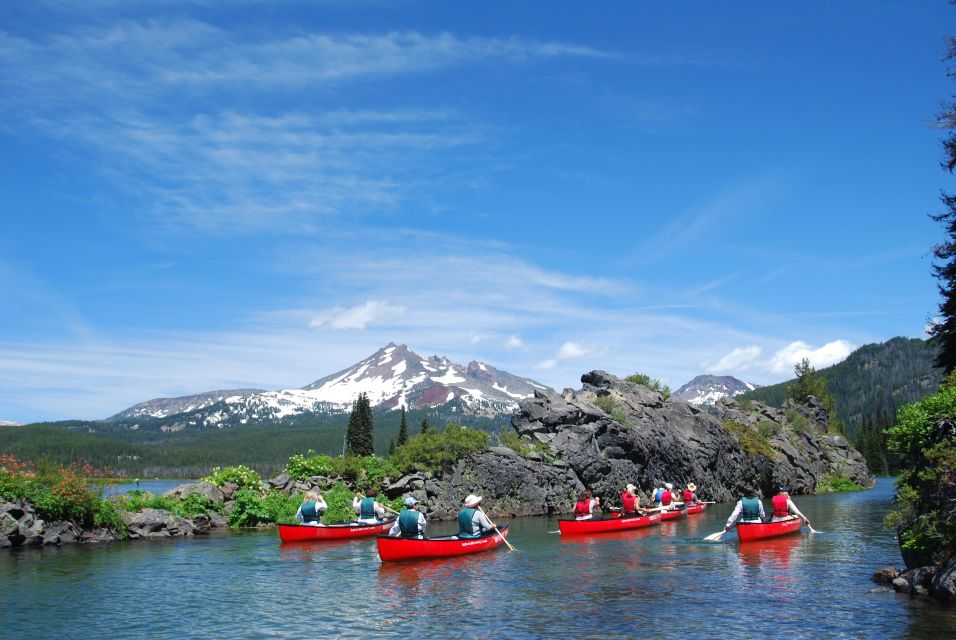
point(812, 530)
point(714, 537)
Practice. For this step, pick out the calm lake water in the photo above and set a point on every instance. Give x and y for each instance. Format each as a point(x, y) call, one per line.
point(663, 582)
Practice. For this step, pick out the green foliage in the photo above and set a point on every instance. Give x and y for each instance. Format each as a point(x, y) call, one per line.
point(247, 509)
point(402, 429)
point(187, 507)
point(751, 439)
point(651, 383)
point(364, 472)
point(834, 483)
point(767, 428)
point(424, 426)
point(875, 379)
point(240, 475)
point(525, 448)
point(610, 406)
point(359, 434)
point(437, 452)
point(301, 467)
point(916, 424)
point(796, 420)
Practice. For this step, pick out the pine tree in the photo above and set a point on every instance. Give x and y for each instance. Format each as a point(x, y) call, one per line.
point(359, 438)
point(424, 426)
point(945, 252)
point(807, 384)
point(403, 429)
point(391, 447)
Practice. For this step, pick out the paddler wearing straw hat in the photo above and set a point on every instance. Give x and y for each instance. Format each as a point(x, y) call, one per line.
point(472, 521)
point(689, 496)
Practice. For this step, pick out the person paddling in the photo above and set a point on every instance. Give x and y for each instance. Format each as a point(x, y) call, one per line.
point(748, 509)
point(585, 506)
point(311, 510)
point(667, 497)
point(783, 507)
point(411, 521)
point(690, 497)
point(630, 502)
point(472, 521)
point(368, 508)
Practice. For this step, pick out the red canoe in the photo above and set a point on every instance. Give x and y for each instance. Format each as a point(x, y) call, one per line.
point(697, 508)
point(674, 514)
point(300, 532)
point(393, 549)
point(569, 526)
point(758, 531)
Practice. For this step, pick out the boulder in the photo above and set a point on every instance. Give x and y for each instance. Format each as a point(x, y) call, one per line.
point(280, 482)
point(156, 523)
point(8, 524)
point(228, 490)
point(61, 533)
point(943, 586)
point(31, 531)
point(200, 523)
point(886, 575)
point(901, 585)
point(217, 521)
point(206, 489)
point(405, 484)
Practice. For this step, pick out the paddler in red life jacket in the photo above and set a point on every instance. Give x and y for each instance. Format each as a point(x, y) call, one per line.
point(630, 502)
point(411, 521)
point(369, 510)
point(783, 507)
point(689, 496)
point(668, 497)
point(748, 509)
point(472, 521)
point(584, 509)
point(311, 510)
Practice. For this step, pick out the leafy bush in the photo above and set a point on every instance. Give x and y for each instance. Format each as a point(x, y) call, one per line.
point(750, 439)
point(240, 475)
point(651, 383)
point(610, 406)
point(525, 448)
point(187, 507)
point(247, 509)
point(437, 452)
point(767, 428)
point(301, 467)
point(797, 420)
point(365, 472)
point(917, 424)
point(835, 483)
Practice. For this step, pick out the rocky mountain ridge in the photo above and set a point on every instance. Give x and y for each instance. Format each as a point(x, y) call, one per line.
point(708, 389)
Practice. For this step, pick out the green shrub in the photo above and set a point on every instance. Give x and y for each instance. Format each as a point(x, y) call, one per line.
point(247, 510)
point(651, 383)
point(301, 467)
point(835, 483)
point(767, 428)
point(745, 404)
point(750, 439)
point(437, 452)
point(610, 406)
point(240, 475)
point(365, 472)
point(525, 448)
point(797, 421)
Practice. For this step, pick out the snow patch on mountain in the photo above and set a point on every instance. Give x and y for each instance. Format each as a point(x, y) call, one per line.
point(708, 389)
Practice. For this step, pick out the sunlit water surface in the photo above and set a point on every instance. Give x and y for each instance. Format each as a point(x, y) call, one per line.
point(663, 582)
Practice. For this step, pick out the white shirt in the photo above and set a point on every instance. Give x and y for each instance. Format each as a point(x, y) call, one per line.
point(319, 506)
point(394, 531)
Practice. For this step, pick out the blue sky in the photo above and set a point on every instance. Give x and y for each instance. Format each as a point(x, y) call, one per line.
point(200, 195)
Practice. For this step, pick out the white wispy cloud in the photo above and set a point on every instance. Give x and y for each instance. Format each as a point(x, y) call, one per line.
point(514, 342)
point(737, 361)
point(357, 317)
point(784, 359)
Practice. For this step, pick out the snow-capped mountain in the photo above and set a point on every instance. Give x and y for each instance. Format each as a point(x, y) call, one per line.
point(709, 389)
point(392, 377)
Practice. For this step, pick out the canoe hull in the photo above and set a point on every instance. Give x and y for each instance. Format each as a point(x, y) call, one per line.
point(398, 549)
point(749, 531)
point(697, 508)
point(304, 532)
point(673, 515)
point(603, 525)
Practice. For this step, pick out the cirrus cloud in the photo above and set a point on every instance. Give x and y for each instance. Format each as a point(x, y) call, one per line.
point(357, 317)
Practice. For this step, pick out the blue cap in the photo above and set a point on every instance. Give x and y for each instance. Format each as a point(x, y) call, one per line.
point(411, 501)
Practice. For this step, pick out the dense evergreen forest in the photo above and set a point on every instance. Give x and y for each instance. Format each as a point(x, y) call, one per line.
point(191, 453)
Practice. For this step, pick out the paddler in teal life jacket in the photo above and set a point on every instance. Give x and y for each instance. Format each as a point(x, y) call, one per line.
point(311, 510)
point(472, 521)
point(411, 521)
point(369, 510)
point(748, 509)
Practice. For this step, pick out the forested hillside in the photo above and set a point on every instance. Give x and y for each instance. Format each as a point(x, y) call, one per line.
point(872, 383)
point(190, 454)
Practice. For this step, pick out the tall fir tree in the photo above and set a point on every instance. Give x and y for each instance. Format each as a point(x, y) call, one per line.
point(359, 435)
point(945, 252)
point(403, 429)
point(809, 383)
point(424, 426)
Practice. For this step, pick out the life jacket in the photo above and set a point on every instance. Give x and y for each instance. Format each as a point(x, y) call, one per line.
point(627, 503)
point(666, 498)
point(751, 509)
point(780, 509)
point(408, 523)
point(688, 495)
point(658, 494)
point(582, 508)
point(367, 509)
point(309, 511)
point(466, 526)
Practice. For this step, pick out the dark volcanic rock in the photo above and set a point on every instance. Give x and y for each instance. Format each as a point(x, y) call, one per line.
point(156, 523)
point(886, 575)
point(205, 489)
point(944, 584)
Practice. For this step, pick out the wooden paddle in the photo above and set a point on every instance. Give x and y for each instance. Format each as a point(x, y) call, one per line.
point(715, 537)
point(495, 527)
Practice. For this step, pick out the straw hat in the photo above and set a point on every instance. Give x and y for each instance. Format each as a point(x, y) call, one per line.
point(692, 486)
point(472, 501)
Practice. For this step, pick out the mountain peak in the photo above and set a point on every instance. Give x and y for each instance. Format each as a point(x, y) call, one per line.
point(708, 389)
